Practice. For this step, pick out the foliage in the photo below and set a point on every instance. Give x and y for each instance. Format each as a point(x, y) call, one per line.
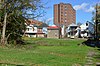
point(18, 11)
point(97, 16)
point(79, 23)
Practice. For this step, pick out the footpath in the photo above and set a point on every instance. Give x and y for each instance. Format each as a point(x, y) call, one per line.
point(90, 59)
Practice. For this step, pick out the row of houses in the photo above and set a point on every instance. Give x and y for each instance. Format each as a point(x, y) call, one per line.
point(36, 28)
point(85, 30)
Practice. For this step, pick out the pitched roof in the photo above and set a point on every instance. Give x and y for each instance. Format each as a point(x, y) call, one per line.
point(53, 27)
point(73, 24)
point(36, 23)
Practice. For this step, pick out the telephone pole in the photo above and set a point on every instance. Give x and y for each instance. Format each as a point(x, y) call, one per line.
point(96, 24)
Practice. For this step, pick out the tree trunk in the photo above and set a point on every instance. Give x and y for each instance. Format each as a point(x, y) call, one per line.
point(3, 39)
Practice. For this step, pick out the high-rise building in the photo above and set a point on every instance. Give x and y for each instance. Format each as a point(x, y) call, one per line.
point(64, 14)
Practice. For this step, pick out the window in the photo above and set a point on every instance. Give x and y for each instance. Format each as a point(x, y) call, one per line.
point(27, 29)
point(86, 24)
point(65, 21)
point(30, 29)
point(61, 18)
point(61, 12)
point(65, 14)
point(65, 8)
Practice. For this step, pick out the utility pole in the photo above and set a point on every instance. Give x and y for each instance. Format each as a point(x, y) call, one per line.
point(96, 24)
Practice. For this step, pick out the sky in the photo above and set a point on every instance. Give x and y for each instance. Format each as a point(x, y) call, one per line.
point(84, 9)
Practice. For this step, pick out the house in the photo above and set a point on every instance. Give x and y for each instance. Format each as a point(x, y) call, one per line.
point(54, 32)
point(71, 30)
point(63, 31)
point(42, 30)
point(31, 31)
point(35, 28)
point(87, 29)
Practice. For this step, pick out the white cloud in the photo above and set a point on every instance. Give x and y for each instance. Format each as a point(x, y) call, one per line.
point(80, 7)
point(84, 7)
point(91, 9)
point(49, 19)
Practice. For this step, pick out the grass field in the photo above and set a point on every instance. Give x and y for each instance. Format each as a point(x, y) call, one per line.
point(45, 52)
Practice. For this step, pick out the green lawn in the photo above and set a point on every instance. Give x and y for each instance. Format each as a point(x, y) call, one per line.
point(45, 52)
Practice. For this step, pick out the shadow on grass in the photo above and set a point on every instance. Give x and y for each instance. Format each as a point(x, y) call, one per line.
point(25, 45)
point(5, 64)
point(92, 43)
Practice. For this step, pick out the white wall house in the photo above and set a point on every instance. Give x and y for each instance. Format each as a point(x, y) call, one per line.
point(63, 30)
point(31, 31)
point(35, 31)
point(87, 29)
point(71, 31)
point(35, 28)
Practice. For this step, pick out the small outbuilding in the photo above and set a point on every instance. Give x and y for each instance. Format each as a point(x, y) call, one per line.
point(54, 32)
point(71, 31)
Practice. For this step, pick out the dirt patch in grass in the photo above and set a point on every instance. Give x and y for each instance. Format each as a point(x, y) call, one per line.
point(57, 54)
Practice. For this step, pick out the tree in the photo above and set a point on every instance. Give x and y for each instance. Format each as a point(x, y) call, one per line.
point(13, 15)
point(96, 19)
point(47, 20)
point(79, 23)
